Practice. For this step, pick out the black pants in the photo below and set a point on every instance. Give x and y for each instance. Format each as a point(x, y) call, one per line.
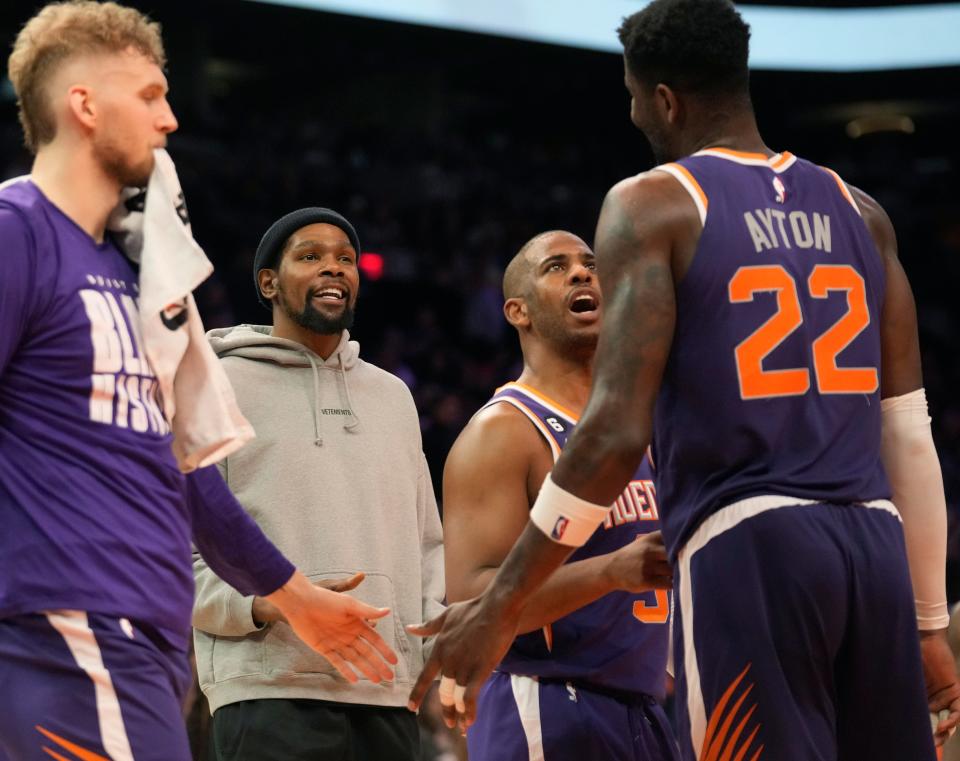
point(312, 730)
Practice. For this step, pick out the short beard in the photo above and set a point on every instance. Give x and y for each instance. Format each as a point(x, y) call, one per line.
point(112, 162)
point(313, 320)
point(568, 343)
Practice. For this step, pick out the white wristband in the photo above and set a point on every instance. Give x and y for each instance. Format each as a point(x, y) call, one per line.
point(563, 517)
point(932, 615)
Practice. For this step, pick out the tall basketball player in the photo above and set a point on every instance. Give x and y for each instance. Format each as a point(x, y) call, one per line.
point(583, 678)
point(763, 299)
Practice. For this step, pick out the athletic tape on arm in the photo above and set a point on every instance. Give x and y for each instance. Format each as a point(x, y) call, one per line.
point(910, 460)
point(563, 517)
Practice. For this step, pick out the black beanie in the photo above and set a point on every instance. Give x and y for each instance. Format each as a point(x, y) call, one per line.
point(275, 238)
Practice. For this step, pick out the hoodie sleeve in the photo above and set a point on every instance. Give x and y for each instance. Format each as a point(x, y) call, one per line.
point(431, 546)
point(234, 561)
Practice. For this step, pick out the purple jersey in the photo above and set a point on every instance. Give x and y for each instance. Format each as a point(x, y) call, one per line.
point(96, 515)
point(618, 642)
point(772, 384)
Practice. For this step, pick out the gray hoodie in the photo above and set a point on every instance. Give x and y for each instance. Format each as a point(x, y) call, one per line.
point(337, 479)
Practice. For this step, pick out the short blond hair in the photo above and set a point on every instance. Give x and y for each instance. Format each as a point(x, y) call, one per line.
point(57, 33)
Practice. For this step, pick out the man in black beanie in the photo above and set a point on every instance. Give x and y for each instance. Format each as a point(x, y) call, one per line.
point(337, 478)
point(309, 305)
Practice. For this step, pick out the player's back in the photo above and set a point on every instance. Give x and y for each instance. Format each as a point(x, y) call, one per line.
point(618, 642)
point(772, 384)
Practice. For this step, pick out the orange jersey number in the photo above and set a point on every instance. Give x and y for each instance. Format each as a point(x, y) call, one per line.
point(830, 378)
point(653, 614)
point(757, 383)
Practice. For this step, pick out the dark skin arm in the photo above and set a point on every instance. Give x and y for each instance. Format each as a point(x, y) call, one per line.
point(648, 227)
point(900, 374)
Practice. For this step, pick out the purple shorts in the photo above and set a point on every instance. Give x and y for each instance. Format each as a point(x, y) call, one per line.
point(522, 719)
point(75, 685)
point(795, 637)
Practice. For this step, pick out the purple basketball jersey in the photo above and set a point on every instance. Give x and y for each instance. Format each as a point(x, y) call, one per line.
point(620, 641)
point(772, 384)
point(91, 501)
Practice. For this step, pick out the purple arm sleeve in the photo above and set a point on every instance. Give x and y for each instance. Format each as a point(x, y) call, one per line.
point(230, 541)
point(16, 276)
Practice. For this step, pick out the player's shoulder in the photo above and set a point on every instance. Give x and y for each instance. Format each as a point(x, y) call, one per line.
point(653, 197)
point(877, 221)
point(497, 434)
point(15, 227)
point(652, 186)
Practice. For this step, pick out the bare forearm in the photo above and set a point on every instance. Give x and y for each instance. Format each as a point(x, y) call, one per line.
point(532, 560)
point(570, 588)
point(602, 461)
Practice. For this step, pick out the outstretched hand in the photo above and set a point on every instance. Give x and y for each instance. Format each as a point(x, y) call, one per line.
point(336, 626)
point(943, 688)
point(472, 638)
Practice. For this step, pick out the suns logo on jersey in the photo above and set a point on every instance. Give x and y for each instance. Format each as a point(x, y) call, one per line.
point(781, 189)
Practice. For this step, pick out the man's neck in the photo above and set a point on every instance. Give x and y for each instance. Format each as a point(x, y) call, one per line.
point(73, 181)
point(736, 131)
point(321, 344)
point(566, 381)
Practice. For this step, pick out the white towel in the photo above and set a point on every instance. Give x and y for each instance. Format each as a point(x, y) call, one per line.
point(198, 399)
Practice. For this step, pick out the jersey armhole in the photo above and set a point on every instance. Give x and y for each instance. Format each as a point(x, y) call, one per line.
point(844, 190)
point(682, 175)
point(532, 417)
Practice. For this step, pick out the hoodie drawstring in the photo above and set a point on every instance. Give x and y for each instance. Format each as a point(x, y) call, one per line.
point(318, 438)
point(351, 426)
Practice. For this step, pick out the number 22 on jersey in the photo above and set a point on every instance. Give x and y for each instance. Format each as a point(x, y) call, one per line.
point(757, 383)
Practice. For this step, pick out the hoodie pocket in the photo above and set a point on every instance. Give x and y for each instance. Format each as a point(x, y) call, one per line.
point(285, 653)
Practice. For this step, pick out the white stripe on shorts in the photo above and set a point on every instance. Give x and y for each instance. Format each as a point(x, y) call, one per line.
point(526, 693)
point(721, 521)
point(75, 630)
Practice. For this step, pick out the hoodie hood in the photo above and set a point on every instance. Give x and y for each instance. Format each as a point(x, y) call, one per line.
point(256, 343)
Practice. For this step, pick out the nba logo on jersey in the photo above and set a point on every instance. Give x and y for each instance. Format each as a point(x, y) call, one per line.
point(560, 527)
point(781, 189)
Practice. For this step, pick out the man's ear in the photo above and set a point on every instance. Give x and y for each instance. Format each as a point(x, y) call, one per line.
point(515, 310)
point(81, 107)
point(669, 104)
point(267, 279)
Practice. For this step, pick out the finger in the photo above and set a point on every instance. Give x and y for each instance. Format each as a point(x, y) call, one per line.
point(369, 651)
point(345, 585)
point(373, 637)
point(449, 714)
point(445, 690)
point(361, 656)
point(341, 665)
point(458, 693)
point(447, 694)
point(430, 670)
point(947, 721)
point(368, 612)
point(661, 582)
point(430, 627)
point(469, 713)
point(662, 568)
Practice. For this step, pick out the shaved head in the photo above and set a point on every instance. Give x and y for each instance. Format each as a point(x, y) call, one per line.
point(516, 277)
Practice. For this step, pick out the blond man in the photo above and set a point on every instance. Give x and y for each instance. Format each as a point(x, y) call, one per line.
point(95, 581)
